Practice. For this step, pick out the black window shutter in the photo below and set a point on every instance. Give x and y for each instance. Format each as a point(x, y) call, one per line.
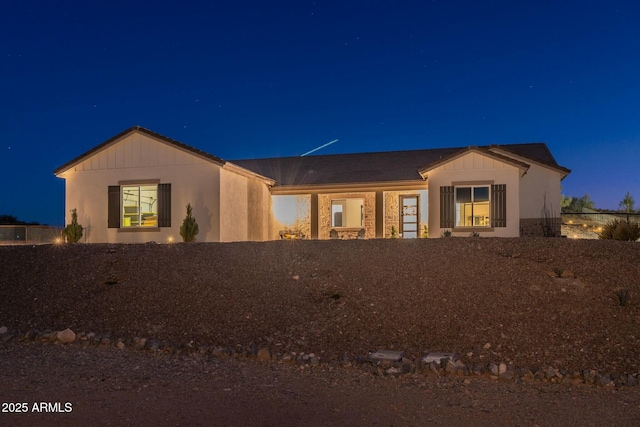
point(499, 205)
point(113, 208)
point(164, 205)
point(447, 207)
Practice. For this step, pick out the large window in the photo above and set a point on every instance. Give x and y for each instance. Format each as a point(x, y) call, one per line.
point(144, 206)
point(139, 206)
point(348, 213)
point(472, 206)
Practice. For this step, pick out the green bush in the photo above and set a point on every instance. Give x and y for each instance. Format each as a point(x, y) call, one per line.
point(618, 229)
point(189, 227)
point(73, 231)
point(446, 233)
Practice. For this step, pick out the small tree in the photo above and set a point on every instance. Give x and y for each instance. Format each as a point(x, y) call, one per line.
point(189, 227)
point(73, 231)
point(627, 203)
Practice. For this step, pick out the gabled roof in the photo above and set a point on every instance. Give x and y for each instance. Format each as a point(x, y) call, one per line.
point(483, 151)
point(147, 132)
point(389, 166)
point(357, 168)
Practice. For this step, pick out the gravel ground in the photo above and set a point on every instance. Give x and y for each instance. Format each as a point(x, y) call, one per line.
point(104, 386)
point(490, 300)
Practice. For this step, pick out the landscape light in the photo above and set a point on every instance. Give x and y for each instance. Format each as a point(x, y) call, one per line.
point(170, 239)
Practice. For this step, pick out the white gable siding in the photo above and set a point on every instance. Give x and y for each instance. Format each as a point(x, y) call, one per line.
point(138, 151)
point(475, 167)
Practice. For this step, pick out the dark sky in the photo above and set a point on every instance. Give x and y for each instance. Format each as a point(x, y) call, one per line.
point(242, 79)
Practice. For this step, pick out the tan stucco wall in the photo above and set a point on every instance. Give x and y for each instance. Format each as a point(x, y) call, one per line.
point(193, 180)
point(475, 167)
point(535, 184)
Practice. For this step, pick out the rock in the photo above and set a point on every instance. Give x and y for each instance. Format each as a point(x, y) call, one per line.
point(603, 380)
point(502, 368)
point(139, 343)
point(66, 336)
point(567, 274)
point(434, 367)
point(494, 369)
point(315, 361)
point(487, 346)
point(153, 345)
point(263, 355)
point(296, 277)
point(120, 345)
point(632, 380)
point(507, 376)
point(393, 371)
point(3, 330)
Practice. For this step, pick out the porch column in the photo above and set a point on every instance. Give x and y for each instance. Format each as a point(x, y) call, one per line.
point(379, 214)
point(314, 215)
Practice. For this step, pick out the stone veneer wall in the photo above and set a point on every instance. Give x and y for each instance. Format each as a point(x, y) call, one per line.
point(324, 214)
point(532, 227)
point(392, 212)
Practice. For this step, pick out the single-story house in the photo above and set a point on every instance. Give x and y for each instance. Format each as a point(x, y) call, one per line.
point(135, 187)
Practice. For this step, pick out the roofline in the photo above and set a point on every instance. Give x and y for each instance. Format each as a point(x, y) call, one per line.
point(248, 173)
point(556, 166)
point(473, 149)
point(351, 187)
point(192, 150)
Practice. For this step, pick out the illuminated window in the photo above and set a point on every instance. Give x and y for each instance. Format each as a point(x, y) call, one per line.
point(472, 206)
point(139, 206)
point(348, 213)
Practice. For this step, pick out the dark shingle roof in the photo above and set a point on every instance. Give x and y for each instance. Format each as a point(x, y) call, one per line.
point(372, 167)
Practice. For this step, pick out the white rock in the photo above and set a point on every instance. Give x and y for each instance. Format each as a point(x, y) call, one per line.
point(66, 336)
point(3, 330)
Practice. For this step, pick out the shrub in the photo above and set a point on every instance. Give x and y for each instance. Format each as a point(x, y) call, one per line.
point(425, 232)
point(73, 231)
point(394, 233)
point(618, 229)
point(446, 233)
point(474, 234)
point(623, 296)
point(189, 227)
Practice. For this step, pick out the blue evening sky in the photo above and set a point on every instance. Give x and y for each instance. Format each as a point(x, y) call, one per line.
point(243, 79)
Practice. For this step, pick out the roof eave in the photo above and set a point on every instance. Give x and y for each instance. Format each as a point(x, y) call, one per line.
point(192, 150)
point(524, 167)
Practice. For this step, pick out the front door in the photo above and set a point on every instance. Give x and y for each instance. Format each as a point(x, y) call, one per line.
point(409, 217)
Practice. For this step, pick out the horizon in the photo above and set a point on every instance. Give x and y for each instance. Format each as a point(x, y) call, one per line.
point(253, 80)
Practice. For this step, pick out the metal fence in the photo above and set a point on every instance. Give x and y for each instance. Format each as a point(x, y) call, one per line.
point(28, 234)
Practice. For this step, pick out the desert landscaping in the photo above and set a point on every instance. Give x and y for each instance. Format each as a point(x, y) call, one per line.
point(526, 317)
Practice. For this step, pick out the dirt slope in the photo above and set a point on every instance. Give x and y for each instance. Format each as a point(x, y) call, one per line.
point(336, 297)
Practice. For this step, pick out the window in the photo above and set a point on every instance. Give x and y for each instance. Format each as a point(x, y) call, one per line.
point(348, 213)
point(139, 206)
point(472, 206)
point(453, 210)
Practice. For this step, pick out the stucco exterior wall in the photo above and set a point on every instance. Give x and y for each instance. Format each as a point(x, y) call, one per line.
point(537, 182)
point(193, 180)
point(244, 208)
point(469, 168)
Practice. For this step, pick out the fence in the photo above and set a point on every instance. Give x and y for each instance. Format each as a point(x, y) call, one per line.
point(28, 234)
point(601, 216)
